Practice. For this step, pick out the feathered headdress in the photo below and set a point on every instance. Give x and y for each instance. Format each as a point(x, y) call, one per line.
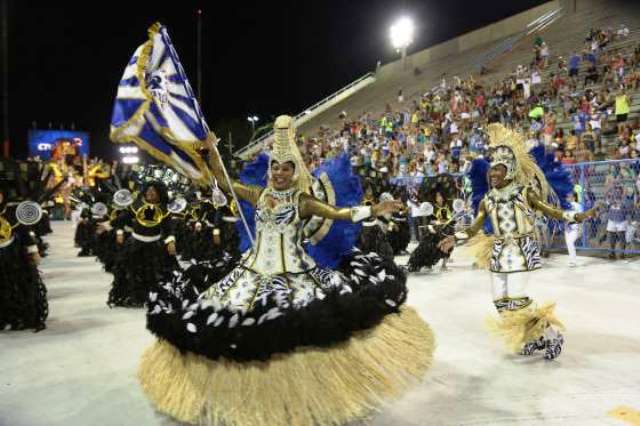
point(285, 149)
point(508, 147)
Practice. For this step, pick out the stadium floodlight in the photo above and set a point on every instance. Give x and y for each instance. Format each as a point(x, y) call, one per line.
point(401, 34)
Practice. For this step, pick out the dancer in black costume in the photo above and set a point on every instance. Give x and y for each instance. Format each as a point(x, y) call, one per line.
point(397, 226)
point(213, 245)
point(111, 235)
point(85, 233)
point(148, 254)
point(373, 237)
point(23, 296)
point(107, 247)
point(439, 225)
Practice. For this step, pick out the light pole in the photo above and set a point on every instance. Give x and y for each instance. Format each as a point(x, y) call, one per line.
point(401, 34)
point(199, 54)
point(253, 119)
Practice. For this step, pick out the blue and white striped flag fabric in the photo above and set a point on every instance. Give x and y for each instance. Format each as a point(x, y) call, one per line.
point(156, 109)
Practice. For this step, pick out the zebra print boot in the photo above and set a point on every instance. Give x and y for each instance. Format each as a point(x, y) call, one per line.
point(532, 346)
point(554, 347)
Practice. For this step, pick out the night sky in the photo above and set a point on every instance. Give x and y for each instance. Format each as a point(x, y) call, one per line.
point(264, 57)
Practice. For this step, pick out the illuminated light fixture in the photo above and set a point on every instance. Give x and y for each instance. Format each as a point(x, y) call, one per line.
point(128, 150)
point(131, 159)
point(401, 33)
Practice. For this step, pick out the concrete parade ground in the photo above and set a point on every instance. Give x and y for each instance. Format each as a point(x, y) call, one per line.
point(81, 370)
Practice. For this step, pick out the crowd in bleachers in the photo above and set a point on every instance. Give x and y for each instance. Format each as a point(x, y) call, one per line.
point(574, 105)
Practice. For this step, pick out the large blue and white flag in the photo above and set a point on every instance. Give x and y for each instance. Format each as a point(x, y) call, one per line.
point(156, 109)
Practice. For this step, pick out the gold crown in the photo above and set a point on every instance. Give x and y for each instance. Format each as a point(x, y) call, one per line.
point(284, 140)
point(285, 149)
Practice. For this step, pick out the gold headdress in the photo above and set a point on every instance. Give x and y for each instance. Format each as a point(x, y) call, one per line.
point(508, 147)
point(285, 149)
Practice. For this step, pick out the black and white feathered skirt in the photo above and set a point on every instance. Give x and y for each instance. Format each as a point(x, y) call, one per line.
point(313, 348)
point(23, 296)
point(138, 268)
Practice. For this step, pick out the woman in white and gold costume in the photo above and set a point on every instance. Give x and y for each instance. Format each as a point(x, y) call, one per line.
point(517, 189)
point(282, 340)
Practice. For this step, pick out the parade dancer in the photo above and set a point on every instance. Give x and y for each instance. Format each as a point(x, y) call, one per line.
point(282, 340)
point(518, 188)
point(440, 225)
point(23, 296)
point(373, 237)
point(148, 254)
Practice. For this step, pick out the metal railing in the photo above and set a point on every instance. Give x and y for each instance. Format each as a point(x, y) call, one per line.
point(310, 112)
point(507, 45)
point(608, 183)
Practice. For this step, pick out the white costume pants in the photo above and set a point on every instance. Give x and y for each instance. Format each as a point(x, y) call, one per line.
point(513, 285)
point(571, 234)
point(509, 292)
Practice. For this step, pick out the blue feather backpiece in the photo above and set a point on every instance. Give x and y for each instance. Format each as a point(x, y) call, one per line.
point(479, 181)
point(343, 235)
point(557, 175)
point(479, 187)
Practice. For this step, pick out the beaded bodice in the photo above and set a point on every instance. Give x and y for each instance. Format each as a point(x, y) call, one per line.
point(509, 211)
point(279, 235)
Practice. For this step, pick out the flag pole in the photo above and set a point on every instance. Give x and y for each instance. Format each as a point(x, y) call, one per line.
point(214, 184)
point(5, 80)
point(199, 56)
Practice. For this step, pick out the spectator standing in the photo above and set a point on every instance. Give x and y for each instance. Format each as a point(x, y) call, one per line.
point(589, 138)
point(622, 107)
point(544, 54)
point(572, 231)
point(574, 65)
point(617, 221)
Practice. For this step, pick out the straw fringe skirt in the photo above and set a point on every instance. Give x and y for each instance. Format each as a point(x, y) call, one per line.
point(311, 386)
point(516, 328)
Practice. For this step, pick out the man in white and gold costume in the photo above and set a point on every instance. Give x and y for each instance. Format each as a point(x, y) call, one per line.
point(518, 189)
